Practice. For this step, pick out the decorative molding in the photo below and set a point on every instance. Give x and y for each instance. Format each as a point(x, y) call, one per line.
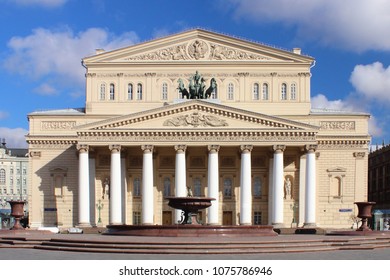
point(35, 154)
point(115, 148)
point(343, 144)
point(57, 125)
point(246, 148)
point(213, 148)
point(82, 148)
point(180, 148)
point(279, 148)
point(198, 50)
point(311, 148)
point(195, 119)
point(256, 136)
point(147, 148)
point(338, 125)
point(359, 155)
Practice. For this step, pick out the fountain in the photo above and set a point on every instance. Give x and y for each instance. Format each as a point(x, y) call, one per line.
point(189, 225)
point(190, 207)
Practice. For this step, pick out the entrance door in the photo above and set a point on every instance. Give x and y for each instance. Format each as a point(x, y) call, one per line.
point(227, 218)
point(167, 218)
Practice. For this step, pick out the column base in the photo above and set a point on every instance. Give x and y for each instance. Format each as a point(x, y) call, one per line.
point(84, 225)
point(309, 225)
point(245, 224)
point(278, 225)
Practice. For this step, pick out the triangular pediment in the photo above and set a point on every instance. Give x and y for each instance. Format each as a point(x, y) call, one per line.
point(198, 45)
point(197, 114)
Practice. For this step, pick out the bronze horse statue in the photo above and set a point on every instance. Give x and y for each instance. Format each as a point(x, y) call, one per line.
point(184, 92)
point(212, 87)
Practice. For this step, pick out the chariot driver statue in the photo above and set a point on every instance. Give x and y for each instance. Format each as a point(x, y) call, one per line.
point(196, 87)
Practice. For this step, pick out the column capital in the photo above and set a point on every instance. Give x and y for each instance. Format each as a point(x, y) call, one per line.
point(246, 148)
point(213, 148)
point(147, 148)
point(279, 148)
point(115, 148)
point(82, 148)
point(311, 148)
point(180, 148)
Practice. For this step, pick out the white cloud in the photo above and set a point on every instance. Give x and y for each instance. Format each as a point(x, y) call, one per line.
point(320, 101)
point(58, 53)
point(42, 3)
point(14, 137)
point(46, 89)
point(358, 25)
point(372, 81)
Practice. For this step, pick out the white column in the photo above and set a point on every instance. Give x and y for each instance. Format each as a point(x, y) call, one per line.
point(302, 190)
point(278, 182)
point(92, 188)
point(270, 192)
point(246, 185)
point(115, 186)
point(180, 176)
point(147, 186)
point(310, 201)
point(83, 203)
point(123, 189)
point(213, 185)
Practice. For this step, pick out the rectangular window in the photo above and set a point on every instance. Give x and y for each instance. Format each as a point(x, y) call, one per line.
point(136, 218)
point(257, 218)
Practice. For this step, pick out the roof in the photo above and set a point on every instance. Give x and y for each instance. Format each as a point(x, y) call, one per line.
point(69, 111)
point(328, 111)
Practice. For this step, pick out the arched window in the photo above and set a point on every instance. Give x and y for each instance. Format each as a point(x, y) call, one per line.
point(256, 91)
point(167, 186)
point(230, 92)
point(283, 92)
point(2, 176)
point(112, 91)
point(136, 187)
point(164, 91)
point(265, 91)
point(227, 187)
point(197, 187)
point(293, 92)
point(102, 94)
point(130, 92)
point(139, 92)
point(257, 186)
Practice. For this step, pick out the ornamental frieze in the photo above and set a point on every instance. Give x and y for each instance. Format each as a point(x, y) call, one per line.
point(198, 50)
point(197, 137)
point(337, 125)
point(195, 119)
point(57, 125)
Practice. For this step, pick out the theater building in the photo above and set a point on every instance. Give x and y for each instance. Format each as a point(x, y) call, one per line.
point(225, 117)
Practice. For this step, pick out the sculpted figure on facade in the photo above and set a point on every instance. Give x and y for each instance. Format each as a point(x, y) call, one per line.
point(287, 188)
point(196, 87)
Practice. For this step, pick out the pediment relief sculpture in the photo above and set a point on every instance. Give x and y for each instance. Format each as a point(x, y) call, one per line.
point(199, 50)
point(195, 119)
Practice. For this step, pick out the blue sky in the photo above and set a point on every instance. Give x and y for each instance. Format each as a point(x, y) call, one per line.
point(42, 43)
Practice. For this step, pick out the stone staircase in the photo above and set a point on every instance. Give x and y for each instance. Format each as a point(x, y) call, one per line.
point(127, 245)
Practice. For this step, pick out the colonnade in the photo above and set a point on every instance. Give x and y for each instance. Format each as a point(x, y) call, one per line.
point(275, 198)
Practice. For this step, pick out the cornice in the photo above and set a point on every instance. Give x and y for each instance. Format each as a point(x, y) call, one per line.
point(203, 106)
